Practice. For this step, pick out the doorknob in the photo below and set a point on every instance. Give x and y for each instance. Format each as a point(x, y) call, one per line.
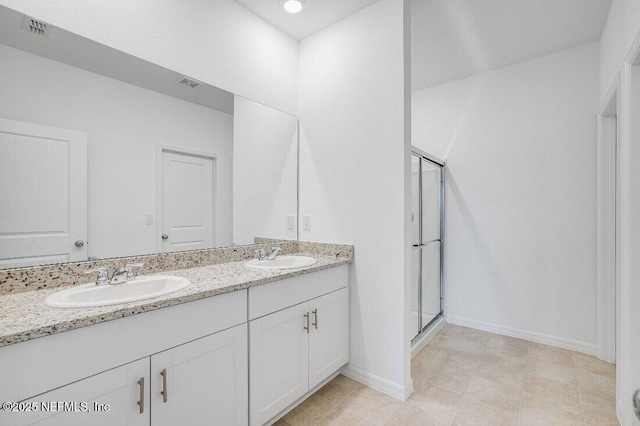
point(165, 237)
point(79, 243)
point(636, 403)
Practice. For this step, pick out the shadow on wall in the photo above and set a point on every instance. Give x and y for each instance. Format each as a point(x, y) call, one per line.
point(482, 257)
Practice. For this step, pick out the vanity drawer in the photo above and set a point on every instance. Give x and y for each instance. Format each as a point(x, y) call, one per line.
point(278, 295)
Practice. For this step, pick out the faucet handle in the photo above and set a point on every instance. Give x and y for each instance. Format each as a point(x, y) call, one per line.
point(129, 266)
point(273, 253)
point(103, 277)
point(261, 254)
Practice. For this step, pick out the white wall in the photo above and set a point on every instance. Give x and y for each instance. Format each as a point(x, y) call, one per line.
point(265, 166)
point(353, 174)
point(124, 124)
point(218, 42)
point(520, 146)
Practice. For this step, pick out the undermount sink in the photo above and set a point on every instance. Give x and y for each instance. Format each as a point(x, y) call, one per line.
point(282, 262)
point(91, 295)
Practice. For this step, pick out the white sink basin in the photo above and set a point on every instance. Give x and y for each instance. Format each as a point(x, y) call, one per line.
point(282, 262)
point(90, 295)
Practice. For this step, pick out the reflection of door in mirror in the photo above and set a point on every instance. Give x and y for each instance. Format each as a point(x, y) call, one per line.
point(188, 197)
point(43, 182)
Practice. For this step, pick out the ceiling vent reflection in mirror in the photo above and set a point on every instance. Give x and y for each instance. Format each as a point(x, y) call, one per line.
point(35, 26)
point(190, 82)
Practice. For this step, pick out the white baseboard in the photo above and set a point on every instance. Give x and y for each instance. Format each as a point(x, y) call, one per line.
point(378, 383)
point(427, 336)
point(546, 339)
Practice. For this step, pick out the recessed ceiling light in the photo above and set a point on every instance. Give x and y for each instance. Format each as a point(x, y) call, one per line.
point(292, 6)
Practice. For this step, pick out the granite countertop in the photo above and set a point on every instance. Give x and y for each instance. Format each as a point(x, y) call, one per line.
point(23, 316)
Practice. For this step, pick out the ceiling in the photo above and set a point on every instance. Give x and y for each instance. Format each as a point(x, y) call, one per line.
point(68, 48)
point(315, 15)
point(452, 39)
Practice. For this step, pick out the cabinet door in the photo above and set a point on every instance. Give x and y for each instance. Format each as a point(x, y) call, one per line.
point(204, 381)
point(109, 398)
point(279, 373)
point(329, 338)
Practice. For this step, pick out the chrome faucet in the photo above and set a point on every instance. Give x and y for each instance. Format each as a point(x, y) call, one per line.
point(125, 273)
point(262, 255)
point(273, 253)
point(120, 275)
point(103, 277)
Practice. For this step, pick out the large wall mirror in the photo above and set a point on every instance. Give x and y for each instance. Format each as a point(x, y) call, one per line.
point(105, 155)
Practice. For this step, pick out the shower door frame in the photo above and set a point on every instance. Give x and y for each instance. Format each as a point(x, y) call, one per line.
point(440, 163)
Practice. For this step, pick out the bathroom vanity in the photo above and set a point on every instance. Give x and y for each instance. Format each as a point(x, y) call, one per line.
point(238, 346)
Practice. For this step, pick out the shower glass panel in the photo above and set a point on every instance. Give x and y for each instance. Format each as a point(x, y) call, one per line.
point(430, 282)
point(431, 178)
point(416, 260)
point(427, 207)
point(415, 200)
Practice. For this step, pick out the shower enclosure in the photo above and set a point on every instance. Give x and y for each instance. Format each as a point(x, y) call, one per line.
point(427, 225)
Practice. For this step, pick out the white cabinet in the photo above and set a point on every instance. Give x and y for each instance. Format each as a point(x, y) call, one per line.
point(279, 367)
point(329, 337)
point(294, 350)
point(116, 397)
point(203, 382)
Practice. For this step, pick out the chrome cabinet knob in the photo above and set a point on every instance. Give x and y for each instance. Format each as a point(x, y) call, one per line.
point(79, 243)
point(165, 237)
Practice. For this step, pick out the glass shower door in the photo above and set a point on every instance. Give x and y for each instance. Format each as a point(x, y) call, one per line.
point(416, 251)
point(426, 225)
point(431, 232)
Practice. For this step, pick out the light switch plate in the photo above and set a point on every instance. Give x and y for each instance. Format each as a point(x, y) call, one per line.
point(149, 219)
point(306, 223)
point(291, 222)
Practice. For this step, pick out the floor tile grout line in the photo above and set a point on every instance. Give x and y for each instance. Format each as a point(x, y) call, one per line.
point(466, 390)
point(341, 401)
point(524, 378)
point(575, 372)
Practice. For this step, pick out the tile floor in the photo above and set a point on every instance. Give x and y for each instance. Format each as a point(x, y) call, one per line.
point(469, 377)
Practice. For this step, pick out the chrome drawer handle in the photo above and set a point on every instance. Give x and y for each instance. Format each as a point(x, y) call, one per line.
point(141, 402)
point(165, 393)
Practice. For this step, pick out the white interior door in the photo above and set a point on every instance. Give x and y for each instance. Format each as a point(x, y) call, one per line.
point(188, 210)
point(43, 185)
point(630, 253)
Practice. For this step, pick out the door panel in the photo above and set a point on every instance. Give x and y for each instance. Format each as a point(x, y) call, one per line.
point(431, 176)
point(415, 200)
point(43, 182)
point(118, 388)
point(188, 211)
point(206, 381)
point(416, 326)
point(329, 336)
point(430, 282)
point(279, 362)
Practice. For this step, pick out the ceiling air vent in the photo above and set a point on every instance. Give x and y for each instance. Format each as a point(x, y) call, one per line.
point(35, 26)
point(190, 82)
